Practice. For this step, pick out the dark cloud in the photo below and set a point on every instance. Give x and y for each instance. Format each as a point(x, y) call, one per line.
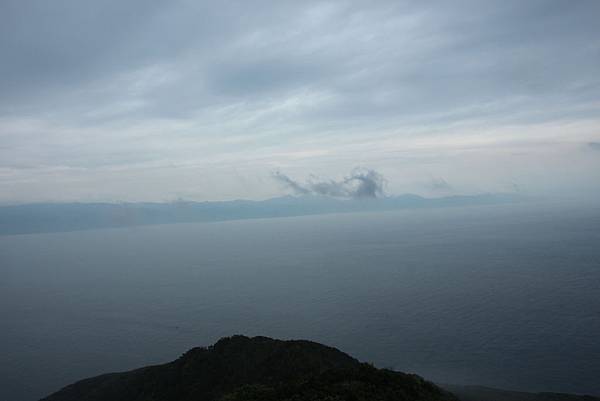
point(360, 184)
point(295, 186)
point(594, 145)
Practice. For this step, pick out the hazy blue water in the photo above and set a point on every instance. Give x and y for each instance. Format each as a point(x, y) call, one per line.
point(500, 296)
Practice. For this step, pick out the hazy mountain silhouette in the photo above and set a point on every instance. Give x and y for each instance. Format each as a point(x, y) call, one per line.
point(57, 217)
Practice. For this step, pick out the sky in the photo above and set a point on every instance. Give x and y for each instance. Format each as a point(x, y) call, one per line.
point(157, 101)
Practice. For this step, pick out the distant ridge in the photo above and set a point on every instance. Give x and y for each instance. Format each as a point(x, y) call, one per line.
point(61, 217)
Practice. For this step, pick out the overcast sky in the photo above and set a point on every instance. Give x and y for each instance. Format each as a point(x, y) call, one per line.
point(118, 100)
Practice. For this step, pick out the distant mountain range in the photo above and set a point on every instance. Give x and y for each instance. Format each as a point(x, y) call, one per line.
point(240, 368)
point(58, 217)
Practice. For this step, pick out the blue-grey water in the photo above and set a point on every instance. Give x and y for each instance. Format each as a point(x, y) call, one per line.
point(504, 296)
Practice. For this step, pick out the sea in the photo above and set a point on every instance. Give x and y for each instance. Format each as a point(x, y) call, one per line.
point(506, 296)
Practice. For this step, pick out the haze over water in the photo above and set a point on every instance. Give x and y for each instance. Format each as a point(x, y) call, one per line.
point(504, 296)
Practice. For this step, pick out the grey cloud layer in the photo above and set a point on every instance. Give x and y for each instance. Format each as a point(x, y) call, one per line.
point(93, 91)
point(383, 60)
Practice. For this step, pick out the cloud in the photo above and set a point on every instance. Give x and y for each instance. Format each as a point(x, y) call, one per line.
point(296, 187)
point(314, 86)
point(439, 184)
point(360, 184)
point(594, 145)
point(383, 60)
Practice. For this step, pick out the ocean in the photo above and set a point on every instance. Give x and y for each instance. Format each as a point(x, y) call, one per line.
point(505, 296)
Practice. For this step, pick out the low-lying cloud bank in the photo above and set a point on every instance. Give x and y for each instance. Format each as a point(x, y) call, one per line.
point(360, 184)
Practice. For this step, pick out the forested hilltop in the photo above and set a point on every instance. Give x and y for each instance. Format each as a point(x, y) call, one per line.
point(241, 368)
point(259, 368)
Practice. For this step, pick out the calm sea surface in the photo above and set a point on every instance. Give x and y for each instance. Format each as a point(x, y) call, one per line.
point(504, 296)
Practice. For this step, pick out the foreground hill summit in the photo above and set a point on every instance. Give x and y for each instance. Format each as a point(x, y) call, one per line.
point(241, 368)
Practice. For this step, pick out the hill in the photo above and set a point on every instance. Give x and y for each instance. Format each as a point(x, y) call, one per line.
point(239, 368)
